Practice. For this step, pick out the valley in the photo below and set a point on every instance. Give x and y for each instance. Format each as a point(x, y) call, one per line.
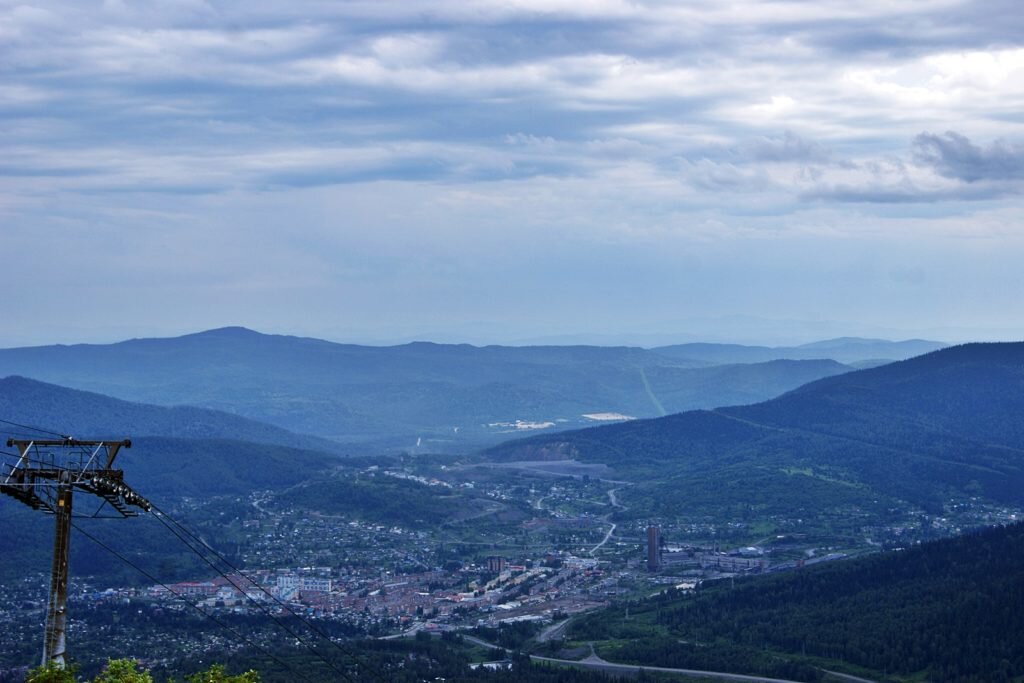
point(511, 543)
point(540, 542)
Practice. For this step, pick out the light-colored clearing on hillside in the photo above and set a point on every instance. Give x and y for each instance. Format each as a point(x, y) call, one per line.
point(607, 417)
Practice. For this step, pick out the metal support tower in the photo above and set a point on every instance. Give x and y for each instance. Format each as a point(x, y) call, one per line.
point(44, 478)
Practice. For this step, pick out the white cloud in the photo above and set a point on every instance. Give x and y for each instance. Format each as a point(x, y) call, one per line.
point(946, 82)
point(449, 132)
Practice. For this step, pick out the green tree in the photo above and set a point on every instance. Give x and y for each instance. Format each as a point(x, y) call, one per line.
point(122, 671)
point(51, 673)
point(216, 674)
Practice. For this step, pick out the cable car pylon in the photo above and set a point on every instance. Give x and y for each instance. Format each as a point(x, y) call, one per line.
point(46, 475)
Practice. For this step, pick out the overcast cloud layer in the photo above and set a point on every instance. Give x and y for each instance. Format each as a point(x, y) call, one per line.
point(512, 169)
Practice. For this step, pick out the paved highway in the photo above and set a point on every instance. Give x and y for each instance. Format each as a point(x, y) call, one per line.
point(598, 664)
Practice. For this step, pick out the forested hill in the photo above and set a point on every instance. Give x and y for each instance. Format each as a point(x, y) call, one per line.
point(89, 415)
point(973, 391)
point(951, 610)
point(940, 425)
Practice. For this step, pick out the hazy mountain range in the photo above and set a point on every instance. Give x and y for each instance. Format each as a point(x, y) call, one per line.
point(438, 396)
point(843, 350)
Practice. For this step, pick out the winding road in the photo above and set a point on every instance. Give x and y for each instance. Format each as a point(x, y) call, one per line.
point(594, 661)
point(605, 518)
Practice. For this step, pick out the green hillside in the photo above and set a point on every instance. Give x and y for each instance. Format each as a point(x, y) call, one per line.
point(921, 431)
point(950, 610)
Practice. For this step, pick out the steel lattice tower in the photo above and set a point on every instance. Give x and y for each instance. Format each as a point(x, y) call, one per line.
point(45, 477)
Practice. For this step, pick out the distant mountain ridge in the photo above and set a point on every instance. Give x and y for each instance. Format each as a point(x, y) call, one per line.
point(842, 349)
point(177, 451)
point(90, 415)
point(946, 423)
point(442, 394)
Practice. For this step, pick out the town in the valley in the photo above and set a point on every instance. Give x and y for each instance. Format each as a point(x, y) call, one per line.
point(563, 552)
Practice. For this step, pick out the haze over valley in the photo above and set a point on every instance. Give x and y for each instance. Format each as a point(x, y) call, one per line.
point(824, 462)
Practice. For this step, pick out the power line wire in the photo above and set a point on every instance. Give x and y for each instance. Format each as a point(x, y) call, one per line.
point(182, 598)
point(24, 434)
point(346, 651)
point(163, 517)
point(225, 577)
point(298, 638)
point(35, 429)
point(242, 590)
point(261, 607)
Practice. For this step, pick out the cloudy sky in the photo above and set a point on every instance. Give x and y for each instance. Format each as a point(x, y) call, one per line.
point(505, 170)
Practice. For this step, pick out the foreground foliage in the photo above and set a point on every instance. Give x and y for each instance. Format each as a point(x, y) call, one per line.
point(409, 661)
point(127, 671)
